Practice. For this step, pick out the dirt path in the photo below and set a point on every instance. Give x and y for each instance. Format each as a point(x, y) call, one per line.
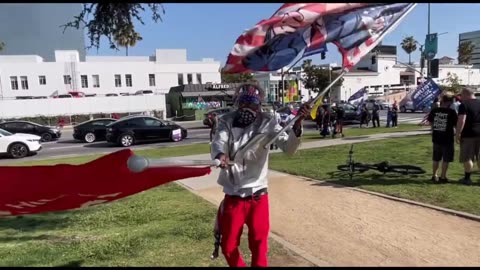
point(343, 227)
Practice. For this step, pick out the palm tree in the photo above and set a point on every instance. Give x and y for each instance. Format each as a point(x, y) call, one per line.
point(409, 45)
point(127, 38)
point(2, 46)
point(465, 50)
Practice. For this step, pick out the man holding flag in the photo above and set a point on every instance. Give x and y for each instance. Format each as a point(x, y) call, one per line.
point(240, 138)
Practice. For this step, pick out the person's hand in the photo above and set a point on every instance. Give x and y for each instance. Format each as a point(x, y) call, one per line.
point(458, 138)
point(302, 113)
point(224, 160)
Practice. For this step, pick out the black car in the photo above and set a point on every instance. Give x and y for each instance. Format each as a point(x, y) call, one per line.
point(130, 130)
point(46, 132)
point(350, 113)
point(93, 130)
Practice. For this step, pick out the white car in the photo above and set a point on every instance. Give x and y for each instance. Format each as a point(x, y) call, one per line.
point(18, 145)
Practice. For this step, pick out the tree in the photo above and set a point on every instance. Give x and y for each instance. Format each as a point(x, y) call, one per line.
point(316, 78)
point(110, 19)
point(451, 84)
point(465, 51)
point(127, 39)
point(2, 45)
point(409, 45)
point(237, 78)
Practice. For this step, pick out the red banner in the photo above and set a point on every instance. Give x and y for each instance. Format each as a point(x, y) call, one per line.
point(39, 189)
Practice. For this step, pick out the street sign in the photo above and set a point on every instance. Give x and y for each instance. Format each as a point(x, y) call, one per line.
point(431, 46)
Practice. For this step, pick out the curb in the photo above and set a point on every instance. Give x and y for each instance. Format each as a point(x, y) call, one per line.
point(300, 252)
point(393, 198)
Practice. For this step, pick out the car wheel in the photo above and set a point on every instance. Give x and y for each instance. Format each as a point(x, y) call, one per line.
point(46, 137)
point(18, 150)
point(403, 109)
point(126, 140)
point(89, 137)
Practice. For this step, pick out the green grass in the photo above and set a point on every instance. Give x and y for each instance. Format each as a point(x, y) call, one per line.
point(321, 164)
point(355, 131)
point(164, 226)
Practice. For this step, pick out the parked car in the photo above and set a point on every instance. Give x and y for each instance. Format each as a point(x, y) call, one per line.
point(92, 130)
point(144, 93)
point(209, 114)
point(47, 133)
point(351, 113)
point(384, 105)
point(408, 106)
point(18, 145)
point(133, 129)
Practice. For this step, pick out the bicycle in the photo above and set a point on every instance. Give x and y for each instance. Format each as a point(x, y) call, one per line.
point(351, 167)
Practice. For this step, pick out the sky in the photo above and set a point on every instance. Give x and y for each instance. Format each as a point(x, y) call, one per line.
point(210, 30)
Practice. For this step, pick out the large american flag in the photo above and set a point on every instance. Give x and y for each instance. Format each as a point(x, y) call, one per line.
point(299, 28)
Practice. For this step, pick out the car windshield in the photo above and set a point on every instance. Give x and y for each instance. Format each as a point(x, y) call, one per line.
point(5, 133)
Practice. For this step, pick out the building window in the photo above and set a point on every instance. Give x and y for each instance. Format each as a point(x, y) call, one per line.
point(96, 81)
point(199, 78)
point(180, 79)
point(42, 80)
point(67, 79)
point(84, 80)
point(118, 81)
point(24, 82)
point(189, 78)
point(14, 82)
point(128, 79)
point(151, 79)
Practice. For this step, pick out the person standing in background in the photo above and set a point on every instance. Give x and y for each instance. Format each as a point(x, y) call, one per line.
point(395, 114)
point(376, 115)
point(468, 132)
point(443, 120)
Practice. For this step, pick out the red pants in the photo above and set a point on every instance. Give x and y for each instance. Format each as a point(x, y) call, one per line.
point(236, 213)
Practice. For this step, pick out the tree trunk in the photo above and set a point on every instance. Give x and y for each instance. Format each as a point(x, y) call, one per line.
point(410, 58)
point(126, 50)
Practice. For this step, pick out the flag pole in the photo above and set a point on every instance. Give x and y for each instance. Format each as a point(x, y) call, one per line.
point(344, 71)
point(319, 95)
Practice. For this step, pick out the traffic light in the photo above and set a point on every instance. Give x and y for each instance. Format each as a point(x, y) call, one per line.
point(434, 66)
point(322, 55)
point(374, 59)
point(280, 85)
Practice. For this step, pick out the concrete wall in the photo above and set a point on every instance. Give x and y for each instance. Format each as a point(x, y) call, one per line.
point(76, 106)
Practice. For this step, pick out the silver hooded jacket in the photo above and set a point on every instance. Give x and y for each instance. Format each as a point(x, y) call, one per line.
point(246, 150)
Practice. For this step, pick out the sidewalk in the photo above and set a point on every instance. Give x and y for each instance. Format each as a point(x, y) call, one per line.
point(332, 225)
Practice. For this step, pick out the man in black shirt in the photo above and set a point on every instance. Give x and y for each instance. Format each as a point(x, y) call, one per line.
point(468, 132)
point(443, 120)
point(375, 115)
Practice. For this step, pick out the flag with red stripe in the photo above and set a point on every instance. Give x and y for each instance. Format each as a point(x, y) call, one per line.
point(355, 28)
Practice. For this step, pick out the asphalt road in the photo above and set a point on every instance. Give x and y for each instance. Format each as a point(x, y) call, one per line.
point(197, 133)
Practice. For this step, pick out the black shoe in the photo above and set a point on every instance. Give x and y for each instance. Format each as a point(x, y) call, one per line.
point(464, 181)
point(443, 180)
point(435, 179)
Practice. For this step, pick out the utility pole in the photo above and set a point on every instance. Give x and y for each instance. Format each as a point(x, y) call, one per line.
point(428, 30)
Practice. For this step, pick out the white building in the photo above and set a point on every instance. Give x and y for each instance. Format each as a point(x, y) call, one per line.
point(30, 76)
point(473, 37)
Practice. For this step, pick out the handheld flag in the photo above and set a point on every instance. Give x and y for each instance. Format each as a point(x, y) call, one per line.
point(355, 28)
point(424, 94)
point(38, 189)
point(313, 112)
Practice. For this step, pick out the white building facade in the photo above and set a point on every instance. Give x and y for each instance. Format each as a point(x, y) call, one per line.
point(101, 76)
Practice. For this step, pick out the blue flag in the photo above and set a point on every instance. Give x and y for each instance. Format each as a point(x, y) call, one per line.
point(425, 94)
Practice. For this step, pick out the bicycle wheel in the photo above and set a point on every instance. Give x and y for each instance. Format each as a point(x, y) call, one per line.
point(406, 169)
point(357, 167)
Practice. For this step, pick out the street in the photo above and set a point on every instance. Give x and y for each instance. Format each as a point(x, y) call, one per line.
point(197, 133)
